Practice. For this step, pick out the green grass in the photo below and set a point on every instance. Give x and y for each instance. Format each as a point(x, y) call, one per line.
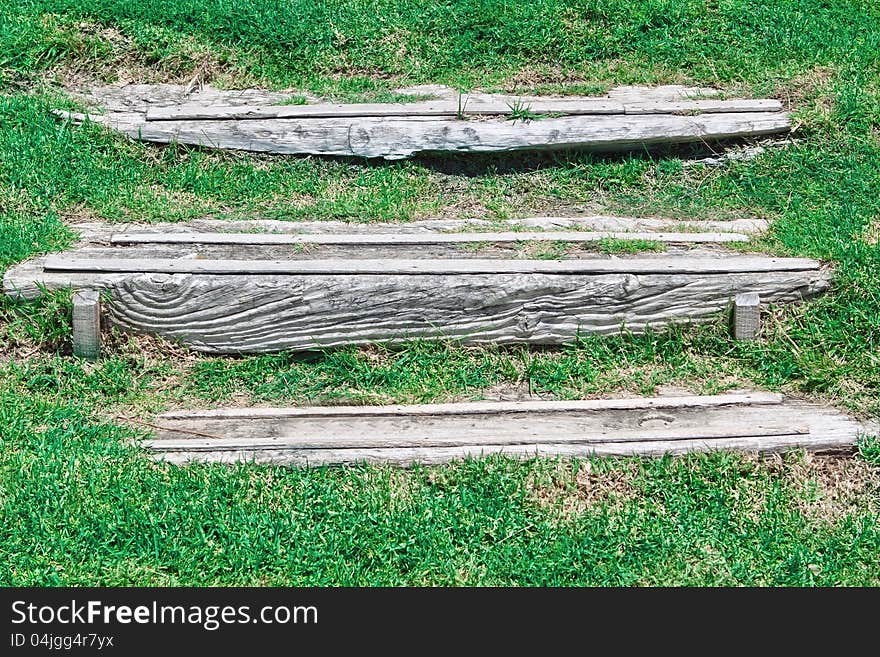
point(80, 505)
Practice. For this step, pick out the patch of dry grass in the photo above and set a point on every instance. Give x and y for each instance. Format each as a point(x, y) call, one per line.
point(571, 489)
point(830, 487)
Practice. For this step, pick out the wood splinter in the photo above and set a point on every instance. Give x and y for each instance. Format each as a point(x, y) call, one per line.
point(87, 324)
point(746, 316)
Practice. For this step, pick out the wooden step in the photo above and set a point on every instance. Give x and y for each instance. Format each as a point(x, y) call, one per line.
point(101, 232)
point(404, 435)
point(399, 130)
point(253, 292)
point(419, 239)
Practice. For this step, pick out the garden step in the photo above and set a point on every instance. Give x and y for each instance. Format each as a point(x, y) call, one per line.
point(250, 292)
point(628, 119)
point(438, 433)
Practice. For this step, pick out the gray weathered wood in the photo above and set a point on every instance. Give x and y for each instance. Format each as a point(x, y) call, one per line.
point(102, 233)
point(667, 92)
point(87, 324)
point(595, 223)
point(28, 279)
point(141, 97)
point(404, 457)
point(409, 239)
point(533, 407)
point(437, 267)
point(446, 108)
point(746, 316)
point(399, 436)
point(401, 137)
point(233, 313)
point(187, 440)
point(365, 252)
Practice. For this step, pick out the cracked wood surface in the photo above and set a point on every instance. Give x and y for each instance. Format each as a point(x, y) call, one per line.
point(403, 435)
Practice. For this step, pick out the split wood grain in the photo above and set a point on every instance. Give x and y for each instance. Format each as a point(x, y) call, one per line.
point(410, 239)
point(594, 223)
point(437, 267)
point(480, 407)
point(467, 107)
point(649, 427)
point(539, 435)
point(406, 457)
point(257, 314)
point(402, 137)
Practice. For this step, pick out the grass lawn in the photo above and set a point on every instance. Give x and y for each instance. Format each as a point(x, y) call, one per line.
point(79, 504)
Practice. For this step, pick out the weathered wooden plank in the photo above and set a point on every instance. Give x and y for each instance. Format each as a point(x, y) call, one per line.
point(702, 106)
point(401, 137)
point(446, 108)
point(450, 109)
point(349, 252)
point(102, 232)
point(311, 439)
point(746, 316)
point(403, 435)
point(585, 223)
point(187, 441)
point(27, 280)
point(87, 324)
point(663, 92)
point(645, 416)
point(404, 457)
point(553, 426)
point(480, 407)
point(235, 313)
point(411, 239)
point(437, 267)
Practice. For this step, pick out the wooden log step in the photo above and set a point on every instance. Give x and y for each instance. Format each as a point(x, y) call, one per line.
point(197, 444)
point(370, 253)
point(258, 314)
point(692, 232)
point(401, 137)
point(403, 435)
point(416, 239)
point(479, 407)
point(467, 107)
point(436, 267)
point(256, 306)
point(597, 223)
point(254, 292)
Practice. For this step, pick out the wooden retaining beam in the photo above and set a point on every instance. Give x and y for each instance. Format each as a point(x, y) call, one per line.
point(402, 137)
point(621, 120)
point(404, 435)
point(221, 239)
point(234, 292)
point(258, 306)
